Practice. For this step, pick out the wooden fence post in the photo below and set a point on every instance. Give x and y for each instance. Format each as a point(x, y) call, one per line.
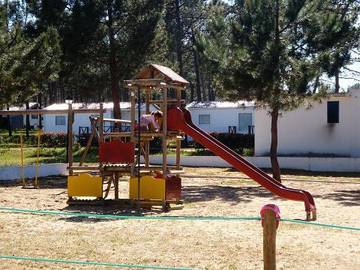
point(270, 216)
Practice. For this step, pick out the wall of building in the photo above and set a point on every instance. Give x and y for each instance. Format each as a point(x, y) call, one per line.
point(80, 120)
point(306, 132)
point(220, 118)
point(295, 163)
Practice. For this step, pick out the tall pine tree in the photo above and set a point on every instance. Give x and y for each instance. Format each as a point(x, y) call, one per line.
point(279, 48)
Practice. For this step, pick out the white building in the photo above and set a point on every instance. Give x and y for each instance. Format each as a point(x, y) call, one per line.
point(19, 121)
point(328, 128)
point(216, 116)
point(58, 123)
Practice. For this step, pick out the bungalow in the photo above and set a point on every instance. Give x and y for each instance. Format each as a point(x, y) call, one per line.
point(58, 122)
point(327, 128)
point(220, 116)
point(19, 121)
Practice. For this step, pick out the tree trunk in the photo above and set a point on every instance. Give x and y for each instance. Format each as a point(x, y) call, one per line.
point(9, 122)
point(115, 89)
point(27, 127)
point(337, 83)
point(192, 94)
point(274, 145)
point(40, 107)
point(179, 53)
point(276, 93)
point(197, 75)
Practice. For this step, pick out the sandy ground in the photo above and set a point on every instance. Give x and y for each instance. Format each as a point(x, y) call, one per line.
point(194, 244)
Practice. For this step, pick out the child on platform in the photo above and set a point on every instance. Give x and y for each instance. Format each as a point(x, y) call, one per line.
point(151, 122)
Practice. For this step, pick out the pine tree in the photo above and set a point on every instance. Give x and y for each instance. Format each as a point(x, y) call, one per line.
point(279, 48)
point(25, 62)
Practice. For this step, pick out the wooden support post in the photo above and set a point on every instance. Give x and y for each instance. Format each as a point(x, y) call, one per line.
point(164, 129)
point(37, 159)
point(178, 151)
point(116, 185)
point(147, 100)
point(70, 138)
point(147, 153)
point(22, 160)
point(270, 220)
point(132, 128)
point(147, 142)
point(88, 145)
point(101, 123)
point(178, 141)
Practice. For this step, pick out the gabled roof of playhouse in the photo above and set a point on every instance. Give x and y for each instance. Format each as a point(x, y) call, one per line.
point(154, 71)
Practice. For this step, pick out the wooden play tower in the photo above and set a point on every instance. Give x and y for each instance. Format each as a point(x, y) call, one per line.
point(125, 151)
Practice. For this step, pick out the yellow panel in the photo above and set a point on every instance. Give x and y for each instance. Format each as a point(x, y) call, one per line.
point(150, 188)
point(85, 185)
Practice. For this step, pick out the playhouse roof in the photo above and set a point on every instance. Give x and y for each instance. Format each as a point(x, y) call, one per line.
point(154, 71)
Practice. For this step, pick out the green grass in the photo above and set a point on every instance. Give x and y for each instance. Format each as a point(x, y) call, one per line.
point(12, 155)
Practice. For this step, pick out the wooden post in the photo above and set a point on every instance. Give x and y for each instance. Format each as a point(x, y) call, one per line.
point(147, 142)
point(101, 123)
point(22, 160)
point(178, 141)
point(37, 158)
point(270, 218)
point(116, 185)
point(164, 130)
point(70, 138)
point(132, 128)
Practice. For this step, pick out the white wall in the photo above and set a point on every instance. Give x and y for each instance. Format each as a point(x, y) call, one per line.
point(15, 172)
point(297, 163)
point(220, 118)
point(80, 120)
point(306, 131)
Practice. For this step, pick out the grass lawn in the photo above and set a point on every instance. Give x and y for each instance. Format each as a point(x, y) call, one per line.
point(12, 155)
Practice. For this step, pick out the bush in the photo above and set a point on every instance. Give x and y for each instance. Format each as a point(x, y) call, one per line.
point(54, 139)
point(83, 139)
point(237, 142)
point(47, 139)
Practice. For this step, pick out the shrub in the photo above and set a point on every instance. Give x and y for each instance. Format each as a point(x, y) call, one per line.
point(47, 139)
point(83, 139)
point(236, 142)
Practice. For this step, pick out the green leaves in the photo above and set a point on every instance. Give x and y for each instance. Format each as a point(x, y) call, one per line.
point(26, 62)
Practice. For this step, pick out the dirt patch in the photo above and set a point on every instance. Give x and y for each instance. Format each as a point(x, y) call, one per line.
point(197, 244)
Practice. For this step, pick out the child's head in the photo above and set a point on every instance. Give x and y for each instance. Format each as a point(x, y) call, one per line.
point(158, 115)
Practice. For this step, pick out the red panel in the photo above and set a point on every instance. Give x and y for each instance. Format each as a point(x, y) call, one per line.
point(173, 188)
point(116, 152)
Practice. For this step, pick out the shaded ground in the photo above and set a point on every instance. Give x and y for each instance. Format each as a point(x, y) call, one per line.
point(198, 244)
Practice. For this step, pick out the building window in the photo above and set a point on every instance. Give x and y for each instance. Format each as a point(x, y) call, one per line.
point(34, 116)
point(333, 112)
point(204, 119)
point(245, 123)
point(59, 120)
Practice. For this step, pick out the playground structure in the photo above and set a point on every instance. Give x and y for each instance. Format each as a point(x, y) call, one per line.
point(147, 184)
point(120, 152)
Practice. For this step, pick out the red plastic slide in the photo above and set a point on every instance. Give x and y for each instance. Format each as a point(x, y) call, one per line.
point(180, 119)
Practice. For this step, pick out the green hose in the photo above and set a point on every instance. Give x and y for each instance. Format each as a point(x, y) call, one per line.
point(174, 218)
point(117, 265)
